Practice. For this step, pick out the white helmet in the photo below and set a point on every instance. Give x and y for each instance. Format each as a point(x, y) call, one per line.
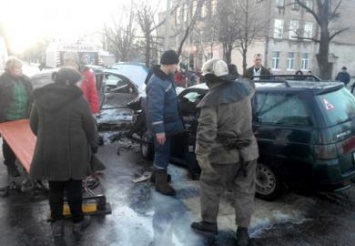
point(216, 67)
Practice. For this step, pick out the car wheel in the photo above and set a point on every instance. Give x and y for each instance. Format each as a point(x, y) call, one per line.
point(147, 147)
point(268, 184)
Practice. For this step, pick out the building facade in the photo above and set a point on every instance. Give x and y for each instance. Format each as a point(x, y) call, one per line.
point(286, 42)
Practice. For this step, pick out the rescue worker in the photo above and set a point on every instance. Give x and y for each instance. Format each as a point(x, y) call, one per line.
point(226, 148)
point(163, 117)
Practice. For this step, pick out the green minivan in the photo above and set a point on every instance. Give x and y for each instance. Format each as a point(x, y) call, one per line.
point(306, 136)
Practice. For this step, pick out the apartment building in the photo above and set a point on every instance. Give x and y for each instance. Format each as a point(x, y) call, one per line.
point(286, 42)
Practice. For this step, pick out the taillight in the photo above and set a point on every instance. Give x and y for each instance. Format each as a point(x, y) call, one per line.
point(325, 151)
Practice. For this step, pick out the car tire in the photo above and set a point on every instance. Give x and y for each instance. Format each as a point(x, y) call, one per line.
point(147, 147)
point(268, 183)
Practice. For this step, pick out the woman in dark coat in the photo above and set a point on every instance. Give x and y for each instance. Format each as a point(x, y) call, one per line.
point(66, 135)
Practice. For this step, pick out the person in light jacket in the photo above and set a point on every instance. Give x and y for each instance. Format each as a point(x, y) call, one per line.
point(15, 104)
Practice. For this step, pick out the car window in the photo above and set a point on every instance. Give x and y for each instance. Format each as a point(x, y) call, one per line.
point(281, 108)
point(339, 106)
point(116, 84)
point(193, 96)
point(189, 101)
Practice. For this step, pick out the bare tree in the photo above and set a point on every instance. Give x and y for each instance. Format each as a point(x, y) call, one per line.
point(146, 13)
point(240, 24)
point(119, 37)
point(250, 26)
point(190, 24)
point(325, 12)
point(226, 27)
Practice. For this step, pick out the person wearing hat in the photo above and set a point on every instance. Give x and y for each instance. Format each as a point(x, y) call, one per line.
point(15, 104)
point(343, 76)
point(66, 138)
point(163, 117)
point(226, 148)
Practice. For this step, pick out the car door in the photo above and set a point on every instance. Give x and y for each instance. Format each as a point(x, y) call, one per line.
point(117, 90)
point(283, 124)
point(183, 147)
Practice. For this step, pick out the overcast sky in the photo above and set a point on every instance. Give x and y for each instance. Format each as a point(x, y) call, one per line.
point(26, 21)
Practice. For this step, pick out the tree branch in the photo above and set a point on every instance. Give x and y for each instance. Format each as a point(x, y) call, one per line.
point(316, 17)
point(337, 33)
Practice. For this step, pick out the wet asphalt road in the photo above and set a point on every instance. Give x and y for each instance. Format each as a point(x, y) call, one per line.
point(141, 217)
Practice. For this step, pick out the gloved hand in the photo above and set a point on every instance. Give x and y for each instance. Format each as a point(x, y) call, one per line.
point(205, 164)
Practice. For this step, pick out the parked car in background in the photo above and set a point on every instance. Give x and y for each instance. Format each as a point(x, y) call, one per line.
point(305, 131)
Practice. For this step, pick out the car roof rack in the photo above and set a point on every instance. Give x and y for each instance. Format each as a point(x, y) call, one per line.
point(284, 77)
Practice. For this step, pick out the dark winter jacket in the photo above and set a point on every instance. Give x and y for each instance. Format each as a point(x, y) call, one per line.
point(343, 77)
point(6, 92)
point(163, 113)
point(265, 74)
point(226, 116)
point(66, 133)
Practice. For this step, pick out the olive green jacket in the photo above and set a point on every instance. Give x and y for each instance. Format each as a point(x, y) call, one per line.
point(228, 119)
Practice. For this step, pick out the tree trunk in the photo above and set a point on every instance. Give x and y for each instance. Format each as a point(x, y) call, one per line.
point(147, 50)
point(244, 54)
point(323, 52)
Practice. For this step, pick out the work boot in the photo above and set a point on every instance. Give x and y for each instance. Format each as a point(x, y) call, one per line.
point(152, 177)
point(243, 236)
point(161, 183)
point(58, 228)
point(205, 227)
point(80, 226)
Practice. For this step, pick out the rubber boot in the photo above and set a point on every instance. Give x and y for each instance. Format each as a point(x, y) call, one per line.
point(58, 229)
point(161, 183)
point(79, 227)
point(243, 236)
point(152, 177)
point(205, 227)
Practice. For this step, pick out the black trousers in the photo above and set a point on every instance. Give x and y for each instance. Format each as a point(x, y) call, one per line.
point(9, 155)
point(73, 189)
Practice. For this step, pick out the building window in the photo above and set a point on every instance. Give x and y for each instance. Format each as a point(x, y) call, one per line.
point(290, 60)
point(309, 4)
point(184, 13)
point(305, 62)
point(280, 3)
point(194, 7)
point(276, 60)
point(204, 10)
point(278, 28)
point(295, 6)
point(308, 30)
point(294, 29)
point(214, 7)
